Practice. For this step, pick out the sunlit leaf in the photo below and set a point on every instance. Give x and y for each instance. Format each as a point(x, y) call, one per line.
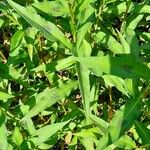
point(45, 27)
point(123, 66)
point(44, 133)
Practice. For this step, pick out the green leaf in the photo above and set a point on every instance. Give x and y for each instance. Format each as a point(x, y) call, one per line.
point(30, 35)
point(102, 124)
point(49, 97)
point(122, 7)
point(44, 133)
point(84, 85)
point(17, 136)
point(121, 122)
point(45, 27)
point(81, 34)
point(3, 6)
point(109, 42)
point(4, 96)
point(3, 132)
point(16, 42)
point(56, 65)
point(133, 42)
point(15, 46)
point(54, 8)
point(86, 12)
point(115, 81)
point(133, 21)
point(143, 132)
point(8, 72)
point(145, 36)
point(125, 142)
point(123, 66)
point(88, 143)
point(125, 45)
point(145, 47)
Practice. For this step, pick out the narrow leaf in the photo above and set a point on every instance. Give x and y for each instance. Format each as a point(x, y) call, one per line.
point(44, 133)
point(118, 82)
point(54, 8)
point(17, 136)
point(121, 122)
point(123, 66)
point(8, 72)
point(45, 27)
point(143, 132)
point(49, 97)
point(4, 96)
point(56, 65)
point(3, 132)
point(109, 42)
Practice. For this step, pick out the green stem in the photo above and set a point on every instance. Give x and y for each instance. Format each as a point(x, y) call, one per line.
point(72, 22)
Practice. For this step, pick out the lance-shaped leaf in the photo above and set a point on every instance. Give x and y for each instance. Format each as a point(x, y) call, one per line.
point(44, 133)
point(54, 8)
point(143, 132)
point(118, 82)
point(3, 132)
point(17, 136)
point(56, 65)
point(45, 27)
point(109, 42)
point(121, 122)
point(49, 97)
point(122, 7)
point(123, 66)
point(8, 72)
point(4, 96)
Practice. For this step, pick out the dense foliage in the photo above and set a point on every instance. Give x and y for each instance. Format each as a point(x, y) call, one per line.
point(74, 74)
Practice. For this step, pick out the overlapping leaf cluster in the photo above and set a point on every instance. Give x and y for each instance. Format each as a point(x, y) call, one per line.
point(74, 74)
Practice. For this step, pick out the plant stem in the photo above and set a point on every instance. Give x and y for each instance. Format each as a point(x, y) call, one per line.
point(110, 115)
point(72, 22)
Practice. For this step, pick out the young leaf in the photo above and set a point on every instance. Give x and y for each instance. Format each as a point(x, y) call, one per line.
point(133, 42)
point(45, 27)
point(125, 45)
